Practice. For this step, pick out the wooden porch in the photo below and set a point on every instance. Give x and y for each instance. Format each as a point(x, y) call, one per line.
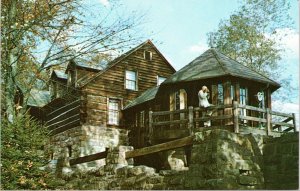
point(234, 117)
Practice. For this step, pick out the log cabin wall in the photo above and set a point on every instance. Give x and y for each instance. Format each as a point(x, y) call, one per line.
point(84, 72)
point(111, 84)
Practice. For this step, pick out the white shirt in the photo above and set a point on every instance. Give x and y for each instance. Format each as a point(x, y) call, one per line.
point(203, 101)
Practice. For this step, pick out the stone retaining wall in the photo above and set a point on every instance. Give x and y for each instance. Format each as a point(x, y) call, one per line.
point(86, 140)
point(220, 160)
point(281, 162)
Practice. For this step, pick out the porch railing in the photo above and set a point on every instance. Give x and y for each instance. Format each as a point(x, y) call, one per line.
point(234, 115)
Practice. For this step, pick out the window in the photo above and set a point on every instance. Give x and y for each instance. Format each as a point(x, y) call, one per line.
point(148, 55)
point(220, 94)
point(131, 82)
point(177, 100)
point(160, 80)
point(243, 95)
point(113, 111)
point(243, 100)
point(232, 92)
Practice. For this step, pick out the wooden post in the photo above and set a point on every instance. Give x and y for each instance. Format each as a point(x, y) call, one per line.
point(150, 124)
point(197, 117)
point(191, 120)
point(235, 116)
point(268, 128)
point(227, 100)
point(294, 121)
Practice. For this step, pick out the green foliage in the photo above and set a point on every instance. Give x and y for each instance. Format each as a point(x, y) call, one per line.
point(248, 36)
point(22, 155)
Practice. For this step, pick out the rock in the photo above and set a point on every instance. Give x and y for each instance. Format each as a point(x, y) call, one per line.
point(247, 180)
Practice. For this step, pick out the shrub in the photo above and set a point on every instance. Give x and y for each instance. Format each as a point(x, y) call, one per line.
point(22, 155)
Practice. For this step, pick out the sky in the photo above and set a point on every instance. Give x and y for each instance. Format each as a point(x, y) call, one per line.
point(178, 28)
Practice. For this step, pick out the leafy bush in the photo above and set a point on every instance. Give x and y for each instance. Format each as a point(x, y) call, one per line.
point(22, 155)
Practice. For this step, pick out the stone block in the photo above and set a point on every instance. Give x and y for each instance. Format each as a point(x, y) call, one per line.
point(212, 183)
point(168, 172)
point(128, 182)
point(137, 170)
point(155, 179)
point(148, 187)
point(123, 171)
point(141, 178)
point(159, 186)
point(176, 181)
point(247, 180)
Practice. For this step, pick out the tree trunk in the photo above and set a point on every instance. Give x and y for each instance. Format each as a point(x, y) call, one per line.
point(11, 62)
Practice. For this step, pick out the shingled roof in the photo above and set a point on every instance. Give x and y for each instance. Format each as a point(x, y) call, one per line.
point(145, 96)
point(212, 64)
point(60, 74)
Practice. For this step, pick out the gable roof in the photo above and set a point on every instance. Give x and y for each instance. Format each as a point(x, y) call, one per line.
point(211, 64)
point(145, 96)
point(60, 74)
point(83, 64)
point(84, 82)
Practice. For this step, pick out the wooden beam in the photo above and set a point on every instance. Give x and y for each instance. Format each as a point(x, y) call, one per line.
point(160, 147)
point(281, 114)
point(169, 112)
point(294, 121)
point(235, 116)
point(283, 124)
point(248, 107)
point(253, 118)
point(284, 121)
point(170, 122)
point(221, 117)
point(89, 158)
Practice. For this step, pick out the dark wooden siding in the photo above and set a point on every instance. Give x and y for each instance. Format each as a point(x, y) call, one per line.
point(64, 117)
point(111, 84)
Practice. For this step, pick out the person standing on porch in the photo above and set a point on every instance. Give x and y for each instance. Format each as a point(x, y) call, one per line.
point(203, 96)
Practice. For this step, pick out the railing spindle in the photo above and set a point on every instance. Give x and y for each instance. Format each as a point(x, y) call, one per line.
point(294, 121)
point(268, 128)
point(191, 120)
point(236, 116)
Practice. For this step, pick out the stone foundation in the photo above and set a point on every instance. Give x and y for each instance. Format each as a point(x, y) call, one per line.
point(281, 162)
point(86, 140)
point(219, 160)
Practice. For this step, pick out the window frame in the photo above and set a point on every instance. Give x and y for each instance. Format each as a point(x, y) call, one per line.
point(115, 111)
point(150, 55)
point(135, 81)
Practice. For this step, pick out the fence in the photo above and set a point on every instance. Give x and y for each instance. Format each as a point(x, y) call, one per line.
point(231, 115)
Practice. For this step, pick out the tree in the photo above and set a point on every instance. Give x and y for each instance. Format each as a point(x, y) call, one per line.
point(248, 35)
point(22, 155)
point(38, 34)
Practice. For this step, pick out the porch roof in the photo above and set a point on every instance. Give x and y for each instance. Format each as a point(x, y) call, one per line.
point(212, 64)
point(145, 96)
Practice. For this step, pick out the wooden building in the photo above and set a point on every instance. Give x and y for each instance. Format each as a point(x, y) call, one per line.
point(86, 95)
point(141, 93)
point(227, 81)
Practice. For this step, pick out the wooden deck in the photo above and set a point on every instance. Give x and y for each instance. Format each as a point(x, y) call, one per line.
point(252, 120)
